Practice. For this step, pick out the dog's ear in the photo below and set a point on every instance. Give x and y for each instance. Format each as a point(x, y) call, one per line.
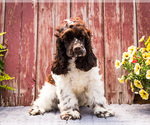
point(60, 64)
point(89, 60)
point(89, 32)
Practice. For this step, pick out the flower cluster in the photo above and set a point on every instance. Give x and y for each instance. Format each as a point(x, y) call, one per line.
point(137, 62)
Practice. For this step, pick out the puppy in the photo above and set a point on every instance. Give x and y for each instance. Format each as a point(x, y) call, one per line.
point(75, 79)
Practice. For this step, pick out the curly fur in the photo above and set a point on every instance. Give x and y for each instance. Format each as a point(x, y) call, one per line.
point(65, 31)
point(75, 81)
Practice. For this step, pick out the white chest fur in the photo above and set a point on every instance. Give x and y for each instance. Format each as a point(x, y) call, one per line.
point(76, 79)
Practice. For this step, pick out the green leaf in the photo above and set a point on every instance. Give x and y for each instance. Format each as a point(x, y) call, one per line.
point(5, 77)
point(1, 71)
point(1, 47)
point(3, 50)
point(6, 87)
point(1, 65)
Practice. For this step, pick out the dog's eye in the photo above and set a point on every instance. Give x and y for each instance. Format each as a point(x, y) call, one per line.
point(68, 39)
point(80, 38)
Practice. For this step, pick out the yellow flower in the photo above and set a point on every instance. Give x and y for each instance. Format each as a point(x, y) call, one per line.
point(148, 47)
point(144, 95)
point(144, 55)
point(117, 64)
point(131, 49)
point(137, 69)
point(132, 87)
point(148, 61)
point(148, 54)
point(142, 39)
point(121, 80)
point(123, 61)
point(126, 55)
point(142, 50)
point(148, 41)
point(138, 84)
point(148, 74)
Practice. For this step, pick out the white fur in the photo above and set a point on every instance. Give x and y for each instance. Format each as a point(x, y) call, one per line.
point(46, 97)
point(77, 88)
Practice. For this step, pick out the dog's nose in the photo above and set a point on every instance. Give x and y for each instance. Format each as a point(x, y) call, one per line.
point(77, 49)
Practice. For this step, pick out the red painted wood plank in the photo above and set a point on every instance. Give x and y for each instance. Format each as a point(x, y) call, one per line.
point(12, 58)
point(95, 21)
point(112, 50)
point(28, 54)
point(62, 11)
point(127, 25)
point(79, 9)
point(45, 41)
point(143, 16)
point(2, 13)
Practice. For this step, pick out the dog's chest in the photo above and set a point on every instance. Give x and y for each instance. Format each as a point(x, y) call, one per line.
point(78, 79)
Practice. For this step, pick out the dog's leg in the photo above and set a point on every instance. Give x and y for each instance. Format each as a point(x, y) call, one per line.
point(96, 99)
point(46, 101)
point(68, 104)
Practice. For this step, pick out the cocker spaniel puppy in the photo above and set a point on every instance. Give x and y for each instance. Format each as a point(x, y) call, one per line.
point(75, 79)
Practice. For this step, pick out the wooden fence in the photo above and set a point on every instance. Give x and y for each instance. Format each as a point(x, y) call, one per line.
point(30, 38)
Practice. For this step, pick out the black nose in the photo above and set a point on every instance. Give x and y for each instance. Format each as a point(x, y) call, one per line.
point(77, 49)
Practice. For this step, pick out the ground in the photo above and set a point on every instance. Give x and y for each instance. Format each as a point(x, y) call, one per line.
point(125, 115)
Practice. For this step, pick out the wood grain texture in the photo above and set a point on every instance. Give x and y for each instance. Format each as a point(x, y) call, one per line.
point(28, 54)
point(79, 9)
point(30, 38)
point(96, 24)
point(143, 16)
point(127, 33)
point(113, 44)
point(62, 11)
point(2, 18)
point(45, 42)
point(12, 57)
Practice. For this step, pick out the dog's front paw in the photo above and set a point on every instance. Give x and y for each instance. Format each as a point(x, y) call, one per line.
point(36, 110)
point(105, 114)
point(71, 115)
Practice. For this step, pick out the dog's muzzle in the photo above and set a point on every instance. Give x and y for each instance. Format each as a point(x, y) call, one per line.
point(79, 49)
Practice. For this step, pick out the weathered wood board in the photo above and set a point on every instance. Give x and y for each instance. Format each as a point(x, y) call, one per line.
point(45, 42)
point(143, 20)
point(112, 34)
point(28, 54)
point(127, 38)
point(30, 38)
point(96, 24)
point(12, 57)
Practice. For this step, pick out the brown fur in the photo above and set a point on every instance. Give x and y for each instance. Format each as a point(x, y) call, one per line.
point(63, 33)
point(50, 79)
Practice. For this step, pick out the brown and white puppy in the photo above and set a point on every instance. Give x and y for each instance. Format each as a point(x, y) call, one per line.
point(76, 75)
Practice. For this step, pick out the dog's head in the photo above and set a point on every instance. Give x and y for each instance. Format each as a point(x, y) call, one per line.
point(74, 35)
point(73, 41)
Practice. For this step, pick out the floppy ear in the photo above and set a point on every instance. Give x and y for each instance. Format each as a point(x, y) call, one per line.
point(60, 63)
point(89, 60)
